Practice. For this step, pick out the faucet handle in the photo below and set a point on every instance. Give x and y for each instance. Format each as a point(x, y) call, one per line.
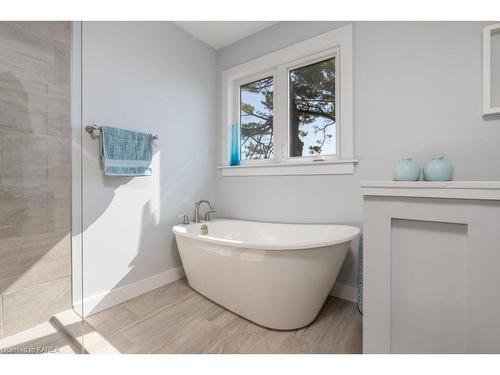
point(184, 217)
point(207, 214)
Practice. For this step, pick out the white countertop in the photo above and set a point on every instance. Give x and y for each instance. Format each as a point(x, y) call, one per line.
point(484, 190)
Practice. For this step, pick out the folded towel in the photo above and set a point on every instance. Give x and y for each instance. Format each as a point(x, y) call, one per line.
point(125, 152)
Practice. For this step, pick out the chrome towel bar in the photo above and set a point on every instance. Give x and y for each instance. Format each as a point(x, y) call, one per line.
point(92, 128)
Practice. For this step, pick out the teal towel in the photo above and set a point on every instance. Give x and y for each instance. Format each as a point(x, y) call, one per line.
point(125, 152)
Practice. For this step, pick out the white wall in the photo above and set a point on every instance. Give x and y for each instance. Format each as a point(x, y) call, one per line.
point(417, 92)
point(153, 77)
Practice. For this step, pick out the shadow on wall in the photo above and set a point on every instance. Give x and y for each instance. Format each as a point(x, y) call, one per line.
point(100, 228)
point(138, 266)
point(120, 251)
point(127, 225)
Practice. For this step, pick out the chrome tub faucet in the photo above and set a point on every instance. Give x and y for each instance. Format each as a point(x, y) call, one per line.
point(197, 205)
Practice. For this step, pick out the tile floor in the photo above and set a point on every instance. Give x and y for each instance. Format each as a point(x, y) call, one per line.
point(177, 319)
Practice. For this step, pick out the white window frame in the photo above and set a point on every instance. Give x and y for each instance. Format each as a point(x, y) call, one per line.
point(336, 43)
point(285, 106)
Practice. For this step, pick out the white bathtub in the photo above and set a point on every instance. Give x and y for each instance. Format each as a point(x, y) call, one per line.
point(276, 275)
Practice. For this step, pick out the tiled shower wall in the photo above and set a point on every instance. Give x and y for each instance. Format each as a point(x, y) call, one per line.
point(35, 173)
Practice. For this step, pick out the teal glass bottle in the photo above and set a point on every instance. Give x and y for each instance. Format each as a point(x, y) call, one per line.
point(234, 150)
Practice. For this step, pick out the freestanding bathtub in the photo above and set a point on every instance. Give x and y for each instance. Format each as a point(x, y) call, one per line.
point(276, 275)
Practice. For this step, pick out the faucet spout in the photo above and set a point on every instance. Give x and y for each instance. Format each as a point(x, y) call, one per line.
point(197, 205)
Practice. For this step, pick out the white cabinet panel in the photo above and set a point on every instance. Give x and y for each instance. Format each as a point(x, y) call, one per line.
point(428, 287)
point(431, 267)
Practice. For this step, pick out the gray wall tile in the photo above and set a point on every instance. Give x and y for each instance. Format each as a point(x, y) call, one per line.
point(35, 172)
point(26, 308)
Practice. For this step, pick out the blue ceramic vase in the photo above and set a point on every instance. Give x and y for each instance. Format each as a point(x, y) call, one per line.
point(234, 152)
point(438, 169)
point(406, 169)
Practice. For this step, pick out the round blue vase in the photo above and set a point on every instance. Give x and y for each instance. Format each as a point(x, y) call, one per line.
point(438, 169)
point(406, 169)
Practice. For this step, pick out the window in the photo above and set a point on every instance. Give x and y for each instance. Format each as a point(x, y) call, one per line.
point(312, 109)
point(294, 109)
point(256, 119)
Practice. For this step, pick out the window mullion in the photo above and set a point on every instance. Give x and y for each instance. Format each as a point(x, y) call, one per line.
point(281, 119)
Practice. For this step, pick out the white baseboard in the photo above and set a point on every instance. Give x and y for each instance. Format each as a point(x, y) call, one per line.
point(105, 300)
point(110, 298)
point(347, 292)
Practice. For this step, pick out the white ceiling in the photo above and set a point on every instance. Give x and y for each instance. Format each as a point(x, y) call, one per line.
point(218, 34)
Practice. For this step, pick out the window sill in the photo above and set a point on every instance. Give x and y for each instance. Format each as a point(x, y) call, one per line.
point(291, 169)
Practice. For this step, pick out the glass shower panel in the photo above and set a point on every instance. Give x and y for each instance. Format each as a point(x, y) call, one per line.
point(36, 296)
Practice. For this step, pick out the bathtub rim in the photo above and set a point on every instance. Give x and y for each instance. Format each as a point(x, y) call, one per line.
point(355, 231)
